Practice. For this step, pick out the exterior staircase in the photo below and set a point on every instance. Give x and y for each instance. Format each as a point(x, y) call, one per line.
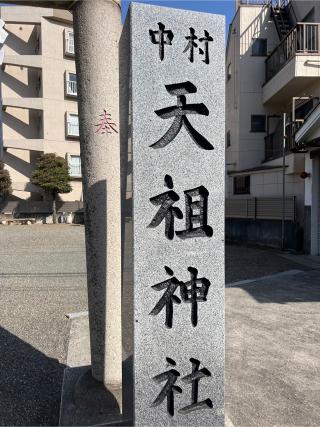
point(283, 16)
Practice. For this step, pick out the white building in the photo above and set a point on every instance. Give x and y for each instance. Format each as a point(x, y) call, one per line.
point(39, 96)
point(273, 67)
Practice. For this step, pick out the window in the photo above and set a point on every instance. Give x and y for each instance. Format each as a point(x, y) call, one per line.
point(258, 123)
point(259, 47)
point(229, 72)
point(75, 166)
point(72, 125)
point(68, 42)
point(228, 139)
point(71, 84)
point(241, 184)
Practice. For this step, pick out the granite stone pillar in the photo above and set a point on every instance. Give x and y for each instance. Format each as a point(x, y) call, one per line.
point(97, 28)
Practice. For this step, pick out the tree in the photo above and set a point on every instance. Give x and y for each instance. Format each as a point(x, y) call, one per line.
point(5, 182)
point(52, 175)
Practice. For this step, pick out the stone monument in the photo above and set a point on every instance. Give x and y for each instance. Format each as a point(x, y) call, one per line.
point(177, 91)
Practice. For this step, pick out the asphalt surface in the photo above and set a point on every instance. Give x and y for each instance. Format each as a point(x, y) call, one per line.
point(42, 277)
point(272, 352)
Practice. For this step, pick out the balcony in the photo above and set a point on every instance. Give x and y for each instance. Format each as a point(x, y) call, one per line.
point(293, 64)
point(24, 144)
point(28, 103)
point(274, 141)
point(30, 61)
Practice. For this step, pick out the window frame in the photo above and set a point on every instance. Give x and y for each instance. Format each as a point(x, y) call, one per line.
point(246, 186)
point(67, 51)
point(67, 81)
point(255, 40)
point(68, 134)
point(74, 175)
point(258, 130)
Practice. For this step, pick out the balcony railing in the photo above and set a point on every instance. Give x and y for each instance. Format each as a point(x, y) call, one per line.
point(274, 141)
point(279, 3)
point(303, 39)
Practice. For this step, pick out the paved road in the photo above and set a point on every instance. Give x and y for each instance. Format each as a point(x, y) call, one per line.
point(42, 277)
point(272, 352)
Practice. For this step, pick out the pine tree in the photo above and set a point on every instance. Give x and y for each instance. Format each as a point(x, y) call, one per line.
point(5, 182)
point(52, 175)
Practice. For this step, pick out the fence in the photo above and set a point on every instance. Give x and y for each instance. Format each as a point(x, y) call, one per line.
point(261, 208)
point(27, 207)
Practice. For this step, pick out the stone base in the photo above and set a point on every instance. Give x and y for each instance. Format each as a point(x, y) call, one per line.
point(85, 401)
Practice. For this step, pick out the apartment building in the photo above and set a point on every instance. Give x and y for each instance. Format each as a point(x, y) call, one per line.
point(39, 96)
point(272, 68)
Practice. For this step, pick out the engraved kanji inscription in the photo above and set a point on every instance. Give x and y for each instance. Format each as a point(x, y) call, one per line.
point(161, 37)
point(168, 298)
point(167, 211)
point(192, 45)
point(196, 206)
point(169, 389)
point(193, 379)
point(193, 291)
point(180, 112)
point(196, 203)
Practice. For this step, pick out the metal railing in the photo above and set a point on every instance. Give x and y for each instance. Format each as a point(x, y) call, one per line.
point(276, 3)
point(274, 141)
point(303, 39)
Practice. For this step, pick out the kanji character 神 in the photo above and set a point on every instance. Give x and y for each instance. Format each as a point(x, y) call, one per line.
point(180, 112)
point(190, 293)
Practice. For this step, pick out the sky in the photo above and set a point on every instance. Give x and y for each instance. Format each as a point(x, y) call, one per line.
point(221, 7)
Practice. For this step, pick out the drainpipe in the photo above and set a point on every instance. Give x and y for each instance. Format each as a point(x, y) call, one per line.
point(283, 183)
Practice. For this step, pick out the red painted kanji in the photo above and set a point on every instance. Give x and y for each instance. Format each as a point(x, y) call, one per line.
point(106, 125)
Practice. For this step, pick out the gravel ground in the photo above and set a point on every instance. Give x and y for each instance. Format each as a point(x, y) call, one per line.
point(42, 277)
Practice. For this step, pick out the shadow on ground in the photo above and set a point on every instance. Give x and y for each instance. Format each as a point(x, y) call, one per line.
point(30, 384)
point(272, 351)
